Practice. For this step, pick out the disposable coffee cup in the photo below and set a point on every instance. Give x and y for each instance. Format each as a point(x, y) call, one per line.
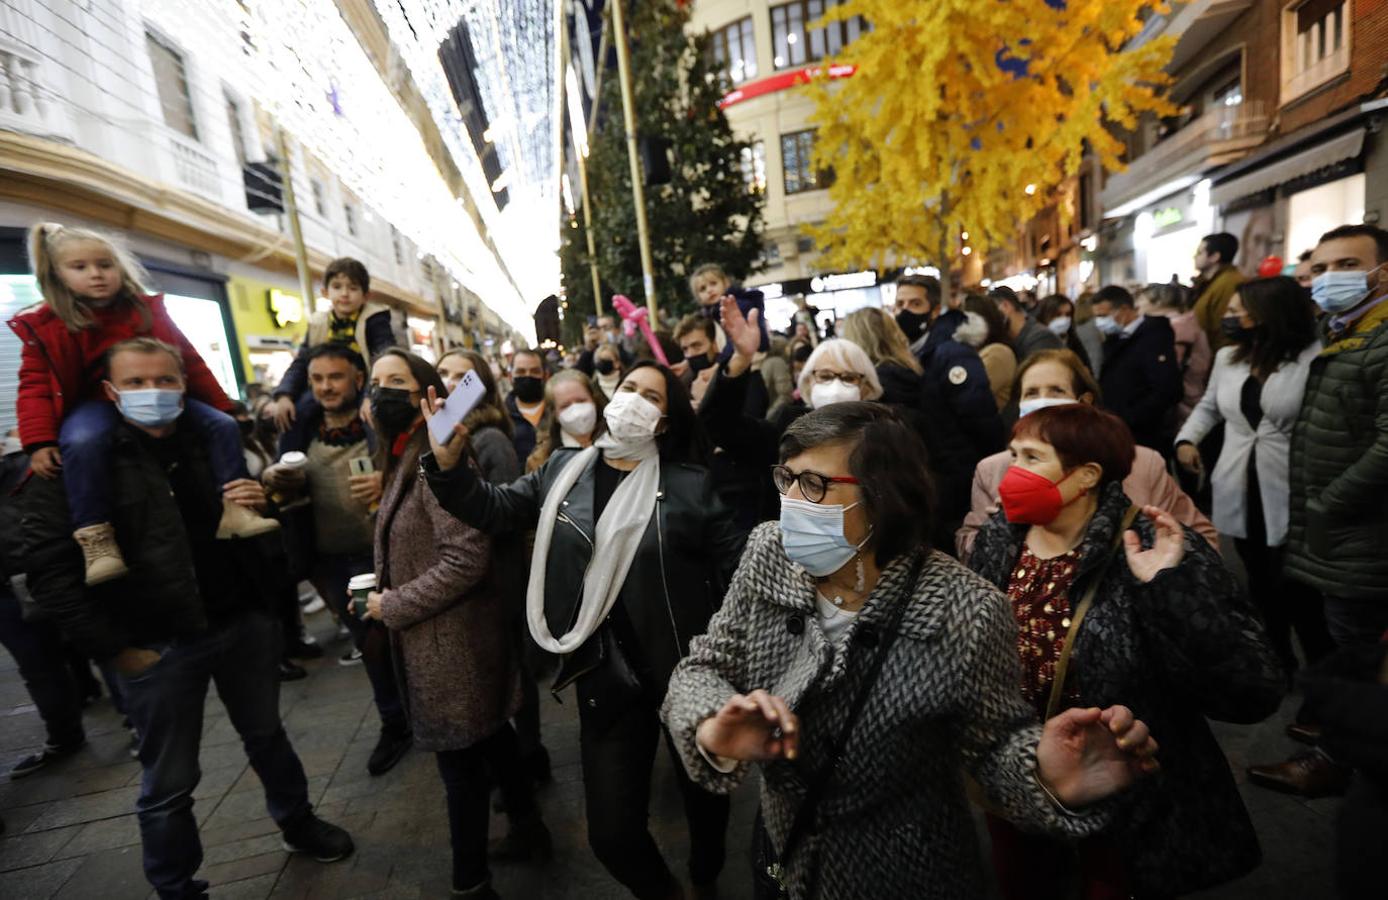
point(359, 587)
point(294, 460)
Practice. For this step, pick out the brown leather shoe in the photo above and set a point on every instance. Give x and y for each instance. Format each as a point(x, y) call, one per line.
point(1306, 734)
point(1311, 774)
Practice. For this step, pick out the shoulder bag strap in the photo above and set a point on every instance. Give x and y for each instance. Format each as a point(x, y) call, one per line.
point(804, 816)
point(1077, 616)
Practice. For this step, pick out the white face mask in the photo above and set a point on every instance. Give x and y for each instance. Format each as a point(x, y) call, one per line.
point(822, 395)
point(579, 419)
point(1108, 325)
point(1027, 407)
point(631, 418)
point(1060, 325)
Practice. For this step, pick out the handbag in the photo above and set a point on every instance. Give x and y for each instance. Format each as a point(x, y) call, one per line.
point(608, 689)
point(1062, 664)
point(769, 881)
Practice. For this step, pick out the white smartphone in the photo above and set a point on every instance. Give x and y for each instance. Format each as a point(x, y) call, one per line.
point(362, 465)
point(461, 401)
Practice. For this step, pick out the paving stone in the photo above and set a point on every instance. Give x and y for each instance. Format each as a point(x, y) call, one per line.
point(18, 850)
point(37, 882)
point(248, 867)
point(250, 889)
point(91, 808)
point(111, 875)
point(108, 834)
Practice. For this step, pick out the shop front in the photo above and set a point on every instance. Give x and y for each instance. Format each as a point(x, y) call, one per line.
point(835, 295)
point(271, 321)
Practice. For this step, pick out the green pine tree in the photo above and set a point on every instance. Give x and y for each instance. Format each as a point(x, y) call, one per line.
point(705, 214)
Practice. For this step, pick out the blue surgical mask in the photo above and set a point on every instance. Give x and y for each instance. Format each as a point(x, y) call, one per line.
point(1335, 292)
point(1107, 325)
point(152, 408)
point(812, 535)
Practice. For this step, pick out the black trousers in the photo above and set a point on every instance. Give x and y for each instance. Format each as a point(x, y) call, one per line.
point(617, 765)
point(467, 788)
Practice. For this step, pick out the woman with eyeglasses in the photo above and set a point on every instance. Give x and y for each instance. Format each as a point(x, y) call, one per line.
point(862, 671)
point(633, 552)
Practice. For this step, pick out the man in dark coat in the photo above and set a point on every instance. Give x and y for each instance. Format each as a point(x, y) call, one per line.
point(526, 402)
point(1141, 381)
point(1027, 336)
point(191, 611)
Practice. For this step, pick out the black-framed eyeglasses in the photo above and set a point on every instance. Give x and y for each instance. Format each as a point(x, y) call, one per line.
point(813, 486)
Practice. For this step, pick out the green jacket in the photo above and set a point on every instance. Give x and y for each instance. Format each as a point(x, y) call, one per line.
point(1338, 541)
point(1213, 300)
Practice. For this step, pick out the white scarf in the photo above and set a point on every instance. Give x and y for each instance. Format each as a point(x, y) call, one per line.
point(615, 540)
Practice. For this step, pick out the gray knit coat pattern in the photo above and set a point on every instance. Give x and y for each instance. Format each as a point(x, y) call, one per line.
point(894, 821)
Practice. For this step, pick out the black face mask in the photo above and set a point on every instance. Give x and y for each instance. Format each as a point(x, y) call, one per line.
point(698, 363)
point(1235, 331)
point(604, 366)
point(392, 409)
point(913, 323)
point(528, 388)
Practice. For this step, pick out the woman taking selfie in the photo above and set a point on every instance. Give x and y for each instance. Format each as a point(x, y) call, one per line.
point(863, 671)
point(633, 551)
point(1135, 609)
point(438, 597)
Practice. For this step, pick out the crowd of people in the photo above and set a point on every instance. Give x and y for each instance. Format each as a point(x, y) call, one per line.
point(964, 557)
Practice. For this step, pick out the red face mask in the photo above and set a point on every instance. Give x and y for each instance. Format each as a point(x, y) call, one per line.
point(1030, 499)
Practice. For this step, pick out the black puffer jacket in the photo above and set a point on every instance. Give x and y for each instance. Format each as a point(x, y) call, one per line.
point(1185, 646)
point(160, 599)
point(1142, 383)
point(676, 582)
point(1339, 467)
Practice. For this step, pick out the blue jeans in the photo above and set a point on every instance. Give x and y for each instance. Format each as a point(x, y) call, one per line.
point(85, 443)
point(165, 702)
point(38, 652)
point(331, 572)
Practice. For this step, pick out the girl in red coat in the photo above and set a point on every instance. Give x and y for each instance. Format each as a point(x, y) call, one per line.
point(93, 300)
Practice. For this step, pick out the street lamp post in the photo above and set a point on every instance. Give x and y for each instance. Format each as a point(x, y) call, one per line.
point(291, 209)
point(638, 194)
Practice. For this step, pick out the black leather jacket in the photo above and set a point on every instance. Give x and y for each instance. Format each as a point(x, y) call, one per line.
point(676, 582)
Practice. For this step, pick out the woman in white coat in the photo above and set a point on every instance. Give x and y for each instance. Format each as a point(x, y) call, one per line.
point(1255, 390)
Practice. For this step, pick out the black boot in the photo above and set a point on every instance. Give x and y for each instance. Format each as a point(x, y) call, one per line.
point(395, 742)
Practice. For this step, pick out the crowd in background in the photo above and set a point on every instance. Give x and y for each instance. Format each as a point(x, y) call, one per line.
point(982, 537)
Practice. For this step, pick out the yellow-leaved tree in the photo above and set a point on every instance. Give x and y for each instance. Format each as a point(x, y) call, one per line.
point(958, 105)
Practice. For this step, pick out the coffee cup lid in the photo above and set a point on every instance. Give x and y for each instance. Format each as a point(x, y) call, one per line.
point(294, 458)
point(361, 581)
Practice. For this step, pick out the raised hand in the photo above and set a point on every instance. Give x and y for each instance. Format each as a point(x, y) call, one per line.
point(446, 456)
point(757, 727)
point(1086, 755)
point(743, 332)
point(1166, 551)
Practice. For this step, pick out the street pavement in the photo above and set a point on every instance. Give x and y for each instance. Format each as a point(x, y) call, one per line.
point(71, 831)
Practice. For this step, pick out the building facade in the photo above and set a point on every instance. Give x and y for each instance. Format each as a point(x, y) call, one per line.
point(769, 53)
point(1278, 139)
point(155, 126)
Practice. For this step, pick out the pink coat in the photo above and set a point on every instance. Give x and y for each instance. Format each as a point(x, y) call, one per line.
point(1148, 484)
point(1195, 358)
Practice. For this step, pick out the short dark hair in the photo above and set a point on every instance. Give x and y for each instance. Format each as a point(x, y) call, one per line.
point(335, 351)
point(692, 323)
point(1373, 232)
point(354, 269)
point(1081, 434)
point(1003, 293)
point(1286, 323)
point(1115, 294)
point(684, 439)
point(1223, 243)
point(801, 353)
point(891, 464)
point(929, 282)
point(530, 351)
point(1305, 255)
point(1167, 295)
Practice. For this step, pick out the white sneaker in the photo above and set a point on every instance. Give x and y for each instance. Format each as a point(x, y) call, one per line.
point(314, 606)
point(351, 658)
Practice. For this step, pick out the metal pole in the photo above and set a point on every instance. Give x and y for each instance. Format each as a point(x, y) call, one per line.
point(638, 194)
point(291, 209)
point(583, 160)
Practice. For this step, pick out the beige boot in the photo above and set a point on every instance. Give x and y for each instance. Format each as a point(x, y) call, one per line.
point(102, 554)
point(241, 522)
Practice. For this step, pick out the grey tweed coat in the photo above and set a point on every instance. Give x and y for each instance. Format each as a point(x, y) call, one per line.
point(894, 821)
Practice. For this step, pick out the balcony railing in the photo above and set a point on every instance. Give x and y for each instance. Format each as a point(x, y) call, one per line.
point(1314, 76)
point(23, 105)
point(195, 168)
point(1217, 137)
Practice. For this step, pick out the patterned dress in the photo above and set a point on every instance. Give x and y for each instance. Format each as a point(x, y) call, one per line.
point(1039, 591)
